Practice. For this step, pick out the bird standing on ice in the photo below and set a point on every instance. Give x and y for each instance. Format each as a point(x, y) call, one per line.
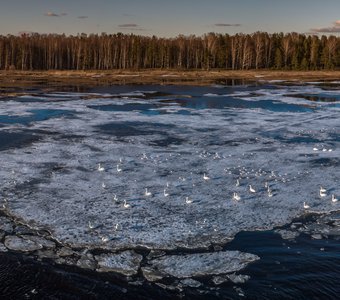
point(147, 193)
point(251, 189)
point(334, 199)
point(188, 200)
point(270, 193)
point(236, 197)
point(105, 239)
point(126, 205)
point(323, 192)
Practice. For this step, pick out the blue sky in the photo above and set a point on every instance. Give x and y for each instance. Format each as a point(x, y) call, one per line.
point(168, 18)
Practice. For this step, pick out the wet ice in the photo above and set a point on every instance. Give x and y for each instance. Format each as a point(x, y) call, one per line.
point(54, 183)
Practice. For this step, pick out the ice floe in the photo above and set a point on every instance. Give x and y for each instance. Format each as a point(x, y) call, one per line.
point(52, 182)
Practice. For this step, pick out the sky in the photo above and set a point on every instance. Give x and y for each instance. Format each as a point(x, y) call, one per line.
point(169, 18)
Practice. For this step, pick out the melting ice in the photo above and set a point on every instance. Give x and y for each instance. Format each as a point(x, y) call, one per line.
point(269, 138)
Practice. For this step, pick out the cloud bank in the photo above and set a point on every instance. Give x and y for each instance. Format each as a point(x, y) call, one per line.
point(52, 14)
point(226, 25)
point(131, 26)
point(331, 29)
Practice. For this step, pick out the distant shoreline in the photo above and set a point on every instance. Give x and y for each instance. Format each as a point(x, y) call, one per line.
point(148, 76)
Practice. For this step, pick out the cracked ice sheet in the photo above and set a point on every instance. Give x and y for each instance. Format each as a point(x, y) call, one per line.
point(55, 183)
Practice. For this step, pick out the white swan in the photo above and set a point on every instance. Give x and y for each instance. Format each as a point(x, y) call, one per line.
point(100, 168)
point(322, 190)
point(237, 182)
point(334, 199)
point(236, 196)
point(105, 239)
point(115, 198)
point(251, 189)
point(305, 205)
point(119, 169)
point(103, 185)
point(126, 205)
point(188, 200)
point(147, 193)
point(206, 177)
point(270, 194)
point(166, 194)
point(91, 226)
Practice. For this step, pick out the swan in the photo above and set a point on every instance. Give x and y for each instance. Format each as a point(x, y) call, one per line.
point(126, 205)
point(147, 193)
point(119, 169)
point(166, 194)
point(270, 194)
point(323, 194)
point(100, 168)
point(305, 205)
point(237, 182)
point(188, 200)
point(251, 189)
point(206, 177)
point(91, 226)
point(334, 199)
point(322, 190)
point(266, 185)
point(115, 198)
point(105, 239)
point(236, 196)
point(103, 185)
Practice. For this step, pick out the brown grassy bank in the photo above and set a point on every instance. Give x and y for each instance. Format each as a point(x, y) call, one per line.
point(25, 78)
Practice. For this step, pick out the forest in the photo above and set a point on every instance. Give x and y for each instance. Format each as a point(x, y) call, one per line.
point(260, 50)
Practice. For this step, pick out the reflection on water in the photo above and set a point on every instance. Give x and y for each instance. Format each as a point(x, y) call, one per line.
point(35, 115)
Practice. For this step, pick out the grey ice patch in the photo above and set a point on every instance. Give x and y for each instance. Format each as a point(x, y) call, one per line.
point(202, 264)
point(40, 241)
point(238, 278)
point(21, 244)
point(87, 261)
point(126, 263)
point(287, 234)
point(6, 225)
point(189, 282)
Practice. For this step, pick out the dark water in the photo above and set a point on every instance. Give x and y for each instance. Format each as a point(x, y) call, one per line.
point(287, 270)
point(301, 269)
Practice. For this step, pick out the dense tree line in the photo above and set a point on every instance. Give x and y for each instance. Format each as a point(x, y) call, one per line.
point(259, 50)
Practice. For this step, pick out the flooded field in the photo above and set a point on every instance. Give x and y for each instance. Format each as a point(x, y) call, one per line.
point(142, 192)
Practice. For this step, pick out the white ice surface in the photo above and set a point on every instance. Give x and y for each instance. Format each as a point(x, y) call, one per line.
point(55, 184)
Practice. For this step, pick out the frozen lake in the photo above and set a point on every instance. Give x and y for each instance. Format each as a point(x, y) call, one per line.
point(155, 182)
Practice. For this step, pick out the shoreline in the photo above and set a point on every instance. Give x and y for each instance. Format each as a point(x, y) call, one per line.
point(182, 77)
